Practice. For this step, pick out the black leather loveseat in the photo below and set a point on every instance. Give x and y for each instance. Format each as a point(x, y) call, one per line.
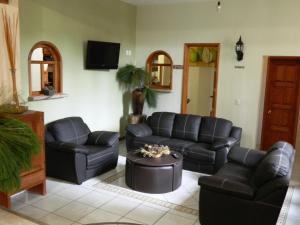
point(75, 154)
point(249, 189)
point(203, 141)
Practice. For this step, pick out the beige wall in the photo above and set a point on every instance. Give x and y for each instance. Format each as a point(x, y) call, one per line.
point(93, 95)
point(268, 27)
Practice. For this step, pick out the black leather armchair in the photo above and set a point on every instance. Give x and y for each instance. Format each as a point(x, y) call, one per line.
point(75, 154)
point(249, 189)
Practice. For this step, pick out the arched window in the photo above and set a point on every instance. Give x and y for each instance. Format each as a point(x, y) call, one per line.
point(160, 66)
point(44, 70)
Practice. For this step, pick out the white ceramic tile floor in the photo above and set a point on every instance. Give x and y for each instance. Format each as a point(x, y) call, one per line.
point(145, 214)
point(52, 203)
point(171, 219)
point(98, 216)
point(55, 220)
point(74, 211)
point(32, 212)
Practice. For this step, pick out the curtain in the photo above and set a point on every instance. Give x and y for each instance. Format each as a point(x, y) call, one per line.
point(9, 15)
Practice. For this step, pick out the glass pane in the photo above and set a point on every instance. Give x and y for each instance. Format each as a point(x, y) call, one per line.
point(166, 75)
point(37, 54)
point(49, 75)
point(36, 77)
point(162, 59)
point(155, 75)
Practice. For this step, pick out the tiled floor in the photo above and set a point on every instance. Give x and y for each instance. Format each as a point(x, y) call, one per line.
point(96, 201)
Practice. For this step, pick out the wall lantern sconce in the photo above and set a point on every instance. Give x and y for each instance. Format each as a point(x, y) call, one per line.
point(239, 49)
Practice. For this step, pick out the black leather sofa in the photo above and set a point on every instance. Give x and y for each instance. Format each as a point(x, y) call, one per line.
point(249, 189)
point(203, 141)
point(75, 154)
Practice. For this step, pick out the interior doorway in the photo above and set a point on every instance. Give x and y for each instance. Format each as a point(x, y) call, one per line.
point(282, 98)
point(200, 78)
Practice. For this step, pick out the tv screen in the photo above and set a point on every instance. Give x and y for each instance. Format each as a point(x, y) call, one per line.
point(102, 55)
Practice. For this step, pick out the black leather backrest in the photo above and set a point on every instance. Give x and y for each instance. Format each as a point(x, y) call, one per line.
point(276, 163)
point(214, 129)
point(186, 127)
point(70, 129)
point(161, 123)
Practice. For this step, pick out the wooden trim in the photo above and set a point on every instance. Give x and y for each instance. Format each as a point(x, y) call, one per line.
point(186, 75)
point(57, 62)
point(4, 1)
point(267, 91)
point(149, 65)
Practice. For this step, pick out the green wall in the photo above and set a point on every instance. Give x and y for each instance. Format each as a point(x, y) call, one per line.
point(93, 95)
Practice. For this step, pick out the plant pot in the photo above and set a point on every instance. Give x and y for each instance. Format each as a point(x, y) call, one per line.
point(138, 99)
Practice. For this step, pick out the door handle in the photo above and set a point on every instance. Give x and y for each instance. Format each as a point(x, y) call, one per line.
point(270, 111)
point(188, 100)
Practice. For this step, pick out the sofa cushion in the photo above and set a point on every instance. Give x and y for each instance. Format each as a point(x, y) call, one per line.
point(97, 154)
point(161, 123)
point(71, 129)
point(235, 172)
point(186, 127)
point(106, 138)
point(274, 164)
point(245, 156)
point(200, 152)
point(214, 129)
point(177, 144)
point(286, 148)
point(139, 130)
point(141, 141)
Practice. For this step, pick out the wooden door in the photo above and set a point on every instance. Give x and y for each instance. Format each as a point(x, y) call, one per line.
point(185, 81)
point(281, 101)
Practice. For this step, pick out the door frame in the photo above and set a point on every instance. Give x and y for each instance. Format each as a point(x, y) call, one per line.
point(267, 89)
point(185, 78)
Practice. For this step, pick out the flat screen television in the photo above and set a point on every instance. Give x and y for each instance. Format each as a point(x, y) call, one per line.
point(102, 55)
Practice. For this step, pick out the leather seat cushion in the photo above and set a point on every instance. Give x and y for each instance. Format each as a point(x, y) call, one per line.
point(186, 127)
point(177, 144)
point(235, 172)
point(200, 152)
point(161, 123)
point(97, 154)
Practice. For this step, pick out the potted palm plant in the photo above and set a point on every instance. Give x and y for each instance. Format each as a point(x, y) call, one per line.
point(17, 145)
point(137, 80)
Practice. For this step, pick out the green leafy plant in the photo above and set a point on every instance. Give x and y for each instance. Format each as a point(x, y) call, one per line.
point(17, 145)
point(133, 78)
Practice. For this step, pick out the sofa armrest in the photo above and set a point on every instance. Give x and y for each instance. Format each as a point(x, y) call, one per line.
point(106, 138)
point(139, 130)
point(236, 132)
point(245, 156)
point(226, 186)
point(66, 147)
point(224, 143)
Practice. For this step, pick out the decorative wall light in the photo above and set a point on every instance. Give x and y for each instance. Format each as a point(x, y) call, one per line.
point(219, 6)
point(239, 49)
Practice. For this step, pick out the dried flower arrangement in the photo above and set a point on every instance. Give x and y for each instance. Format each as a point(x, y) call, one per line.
point(155, 151)
point(10, 33)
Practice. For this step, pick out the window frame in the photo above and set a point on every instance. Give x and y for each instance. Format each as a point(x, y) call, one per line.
point(57, 62)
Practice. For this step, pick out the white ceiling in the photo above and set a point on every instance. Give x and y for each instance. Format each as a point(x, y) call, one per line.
point(153, 2)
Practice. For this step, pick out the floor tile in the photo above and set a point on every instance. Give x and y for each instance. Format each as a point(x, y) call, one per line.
point(52, 203)
point(170, 219)
point(32, 212)
point(74, 211)
point(53, 219)
point(126, 220)
point(99, 216)
point(2, 212)
point(120, 206)
point(11, 219)
point(95, 198)
point(145, 214)
point(182, 214)
point(74, 192)
point(161, 208)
